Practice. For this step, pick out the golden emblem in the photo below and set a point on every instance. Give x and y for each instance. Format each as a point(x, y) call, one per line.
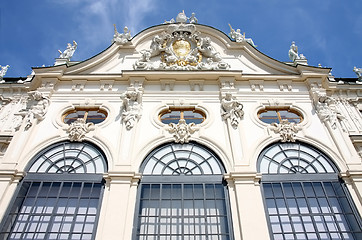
point(181, 48)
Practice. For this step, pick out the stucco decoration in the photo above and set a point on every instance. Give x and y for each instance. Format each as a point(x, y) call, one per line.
point(180, 47)
point(182, 131)
point(293, 53)
point(38, 108)
point(78, 129)
point(231, 109)
point(121, 38)
point(239, 37)
point(3, 71)
point(358, 72)
point(286, 129)
point(327, 110)
point(131, 106)
point(69, 51)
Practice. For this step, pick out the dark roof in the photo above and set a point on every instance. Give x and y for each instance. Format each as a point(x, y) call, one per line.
point(13, 79)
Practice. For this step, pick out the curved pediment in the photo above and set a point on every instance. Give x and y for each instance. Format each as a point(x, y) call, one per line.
point(181, 46)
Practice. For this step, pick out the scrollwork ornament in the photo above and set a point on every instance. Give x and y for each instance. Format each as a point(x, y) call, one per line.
point(78, 129)
point(287, 130)
point(182, 131)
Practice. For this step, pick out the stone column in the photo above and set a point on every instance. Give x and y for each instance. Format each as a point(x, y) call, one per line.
point(117, 211)
point(246, 200)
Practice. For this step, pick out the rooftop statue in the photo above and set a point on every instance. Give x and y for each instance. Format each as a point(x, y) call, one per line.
point(358, 71)
point(182, 18)
point(121, 38)
point(293, 53)
point(239, 37)
point(3, 72)
point(68, 53)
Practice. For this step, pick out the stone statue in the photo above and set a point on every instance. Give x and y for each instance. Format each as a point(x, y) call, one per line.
point(181, 17)
point(286, 129)
point(182, 131)
point(293, 53)
point(68, 53)
point(236, 35)
point(232, 109)
point(131, 107)
point(121, 38)
point(3, 71)
point(193, 19)
point(78, 129)
point(207, 50)
point(358, 71)
point(37, 111)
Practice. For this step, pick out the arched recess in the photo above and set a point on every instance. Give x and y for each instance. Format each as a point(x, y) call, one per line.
point(60, 196)
point(182, 195)
point(303, 195)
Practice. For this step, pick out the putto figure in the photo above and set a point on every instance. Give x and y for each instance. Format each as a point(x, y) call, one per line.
point(131, 107)
point(37, 111)
point(68, 53)
point(231, 109)
point(121, 38)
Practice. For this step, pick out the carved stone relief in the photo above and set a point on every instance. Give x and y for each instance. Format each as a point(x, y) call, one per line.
point(131, 106)
point(231, 109)
point(180, 47)
point(182, 131)
point(37, 107)
point(327, 110)
point(78, 129)
point(286, 129)
point(121, 38)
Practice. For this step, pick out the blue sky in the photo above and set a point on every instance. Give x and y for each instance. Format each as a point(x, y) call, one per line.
point(328, 32)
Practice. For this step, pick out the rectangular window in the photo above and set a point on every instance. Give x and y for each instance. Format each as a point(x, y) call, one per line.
point(182, 211)
point(54, 210)
point(310, 210)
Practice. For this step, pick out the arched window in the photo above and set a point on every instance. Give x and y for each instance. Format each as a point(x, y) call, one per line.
point(60, 196)
point(303, 195)
point(182, 195)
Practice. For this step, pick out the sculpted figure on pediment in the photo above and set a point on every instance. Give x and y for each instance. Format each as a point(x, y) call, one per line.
point(121, 38)
point(69, 51)
point(231, 109)
point(358, 72)
point(78, 129)
point(131, 107)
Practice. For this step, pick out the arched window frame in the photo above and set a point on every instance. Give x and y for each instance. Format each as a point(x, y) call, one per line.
point(192, 188)
point(319, 196)
point(58, 205)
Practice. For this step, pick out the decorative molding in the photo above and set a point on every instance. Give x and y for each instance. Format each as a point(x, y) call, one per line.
point(78, 85)
point(256, 85)
point(167, 82)
point(106, 85)
point(78, 129)
point(194, 83)
point(182, 131)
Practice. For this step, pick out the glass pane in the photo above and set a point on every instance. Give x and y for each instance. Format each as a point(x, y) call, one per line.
point(172, 117)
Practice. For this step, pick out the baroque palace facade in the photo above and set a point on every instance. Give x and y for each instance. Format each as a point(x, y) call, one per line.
point(180, 132)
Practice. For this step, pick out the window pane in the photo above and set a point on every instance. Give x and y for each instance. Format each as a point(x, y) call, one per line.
point(48, 215)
